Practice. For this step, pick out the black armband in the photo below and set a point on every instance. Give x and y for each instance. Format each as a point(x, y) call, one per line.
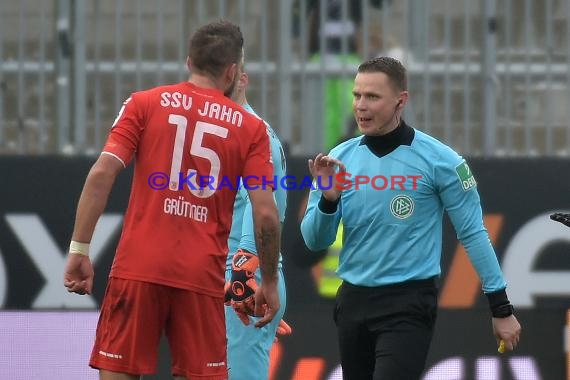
point(499, 304)
point(328, 207)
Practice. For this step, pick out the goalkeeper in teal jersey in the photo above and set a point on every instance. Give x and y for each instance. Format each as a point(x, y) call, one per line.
point(390, 187)
point(249, 346)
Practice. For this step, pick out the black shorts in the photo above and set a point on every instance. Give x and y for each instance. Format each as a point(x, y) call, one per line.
point(385, 332)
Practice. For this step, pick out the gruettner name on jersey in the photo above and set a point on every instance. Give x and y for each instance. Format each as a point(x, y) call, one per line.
point(181, 207)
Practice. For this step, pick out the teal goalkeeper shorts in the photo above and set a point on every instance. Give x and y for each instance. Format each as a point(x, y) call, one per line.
point(249, 346)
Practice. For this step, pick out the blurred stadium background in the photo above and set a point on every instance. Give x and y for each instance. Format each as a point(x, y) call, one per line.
point(491, 78)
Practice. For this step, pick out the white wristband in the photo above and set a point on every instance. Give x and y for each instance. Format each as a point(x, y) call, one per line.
point(79, 248)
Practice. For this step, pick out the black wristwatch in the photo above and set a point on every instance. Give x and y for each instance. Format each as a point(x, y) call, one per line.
point(503, 311)
point(499, 304)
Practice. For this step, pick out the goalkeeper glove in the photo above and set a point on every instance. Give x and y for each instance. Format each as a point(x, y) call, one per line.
point(240, 290)
point(282, 329)
point(562, 218)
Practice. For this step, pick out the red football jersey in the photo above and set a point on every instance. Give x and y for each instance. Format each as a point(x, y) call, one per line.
point(189, 145)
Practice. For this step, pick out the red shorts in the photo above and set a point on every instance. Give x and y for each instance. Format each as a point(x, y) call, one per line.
point(133, 316)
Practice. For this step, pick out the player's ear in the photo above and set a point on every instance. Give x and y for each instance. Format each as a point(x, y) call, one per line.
point(244, 79)
point(231, 72)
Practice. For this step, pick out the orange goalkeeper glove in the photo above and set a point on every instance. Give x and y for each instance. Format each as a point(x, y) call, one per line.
point(282, 329)
point(240, 290)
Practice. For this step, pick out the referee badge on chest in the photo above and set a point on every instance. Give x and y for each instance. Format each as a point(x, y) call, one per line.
point(402, 206)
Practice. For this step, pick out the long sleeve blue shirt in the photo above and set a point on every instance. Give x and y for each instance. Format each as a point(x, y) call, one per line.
point(393, 224)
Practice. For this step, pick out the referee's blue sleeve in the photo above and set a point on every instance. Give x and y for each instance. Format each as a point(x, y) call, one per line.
point(464, 209)
point(317, 227)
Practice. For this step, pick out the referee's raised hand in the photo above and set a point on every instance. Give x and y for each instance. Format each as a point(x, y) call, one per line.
point(324, 169)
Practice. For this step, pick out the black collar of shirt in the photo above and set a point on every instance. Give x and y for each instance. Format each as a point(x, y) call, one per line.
point(386, 144)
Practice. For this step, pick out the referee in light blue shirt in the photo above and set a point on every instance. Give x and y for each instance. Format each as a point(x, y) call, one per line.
point(386, 307)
